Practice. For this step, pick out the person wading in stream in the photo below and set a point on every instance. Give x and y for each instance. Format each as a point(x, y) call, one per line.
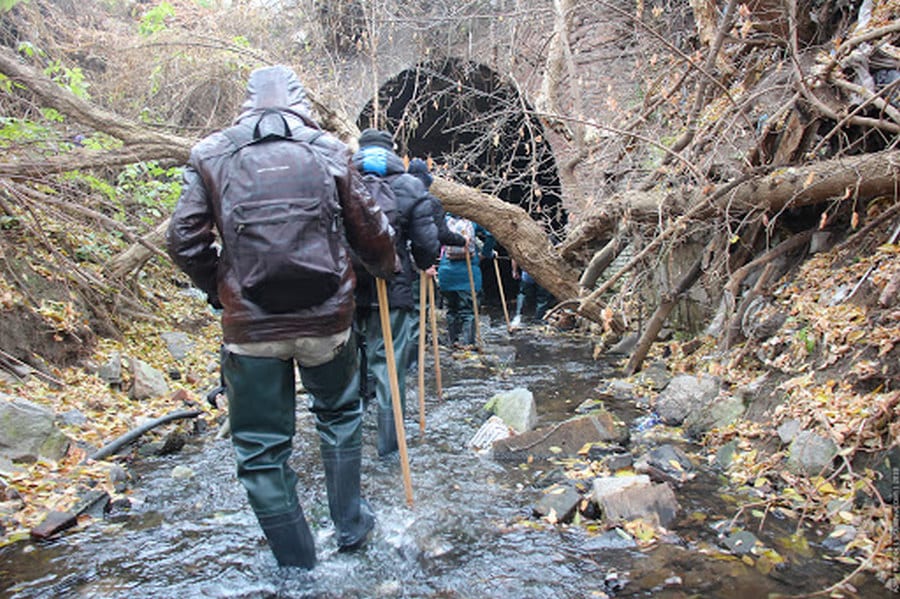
point(418, 168)
point(285, 200)
point(405, 200)
point(453, 276)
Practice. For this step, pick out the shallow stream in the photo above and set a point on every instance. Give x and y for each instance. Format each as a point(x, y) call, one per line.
point(470, 534)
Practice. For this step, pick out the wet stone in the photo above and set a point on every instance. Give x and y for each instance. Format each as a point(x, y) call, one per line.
point(589, 405)
point(615, 389)
point(564, 439)
point(888, 463)
point(498, 356)
point(839, 538)
point(558, 500)
point(94, 503)
point(117, 474)
point(516, 408)
point(150, 448)
point(182, 472)
point(609, 485)
point(667, 463)
point(656, 376)
point(740, 542)
point(122, 504)
point(600, 451)
point(725, 454)
point(615, 538)
point(53, 524)
point(619, 461)
point(173, 443)
point(640, 499)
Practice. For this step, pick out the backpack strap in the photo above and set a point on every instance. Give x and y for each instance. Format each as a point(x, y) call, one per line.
point(286, 131)
point(242, 135)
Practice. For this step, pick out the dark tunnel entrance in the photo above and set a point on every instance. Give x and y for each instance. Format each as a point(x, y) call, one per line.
point(477, 129)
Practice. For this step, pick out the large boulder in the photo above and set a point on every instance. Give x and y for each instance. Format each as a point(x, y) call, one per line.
point(721, 411)
point(623, 498)
point(563, 439)
point(516, 408)
point(685, 394)
point(27, 431)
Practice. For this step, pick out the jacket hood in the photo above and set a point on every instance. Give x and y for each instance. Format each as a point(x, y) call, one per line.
point(276, 87)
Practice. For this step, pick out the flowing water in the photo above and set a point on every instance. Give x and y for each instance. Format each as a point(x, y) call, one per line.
point(469, 534)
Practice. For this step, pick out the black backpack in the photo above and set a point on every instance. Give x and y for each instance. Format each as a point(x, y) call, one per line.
point(281, 219)
point(381, 191)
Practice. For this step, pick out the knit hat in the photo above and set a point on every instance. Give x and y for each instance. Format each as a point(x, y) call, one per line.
point(374, 137)
point(419, 169)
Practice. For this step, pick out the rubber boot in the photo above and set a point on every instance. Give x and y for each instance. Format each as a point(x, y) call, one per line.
point(290, 539)
point(352, 516)
point(386, 443)
point(468, 332)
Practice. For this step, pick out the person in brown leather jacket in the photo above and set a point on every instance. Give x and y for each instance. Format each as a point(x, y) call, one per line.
point(261, 348)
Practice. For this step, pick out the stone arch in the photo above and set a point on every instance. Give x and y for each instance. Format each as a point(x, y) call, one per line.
point(477, 128)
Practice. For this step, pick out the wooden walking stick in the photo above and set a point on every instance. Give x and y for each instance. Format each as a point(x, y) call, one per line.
point(502, 294)
point(474, 298)
point(434, 340)
point(381, 288)
point(423, 291)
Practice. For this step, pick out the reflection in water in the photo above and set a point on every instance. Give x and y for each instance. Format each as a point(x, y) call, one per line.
point(469, 534)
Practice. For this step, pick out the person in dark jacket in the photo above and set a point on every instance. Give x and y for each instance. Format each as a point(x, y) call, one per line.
point(417, 245)
point(261, 348)
point(419, 169)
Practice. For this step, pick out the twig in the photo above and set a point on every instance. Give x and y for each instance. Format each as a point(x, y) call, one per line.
point(887, 214)
point(873, 267)
point(43, 376)
point(666, 304)
point(882, 542)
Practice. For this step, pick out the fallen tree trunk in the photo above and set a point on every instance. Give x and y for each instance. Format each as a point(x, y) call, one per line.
point(139, 252)
point(524, 239)
point(140, 142)
point(847, 178)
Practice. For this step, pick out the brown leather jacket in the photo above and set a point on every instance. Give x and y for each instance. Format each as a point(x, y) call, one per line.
point(191, 237)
